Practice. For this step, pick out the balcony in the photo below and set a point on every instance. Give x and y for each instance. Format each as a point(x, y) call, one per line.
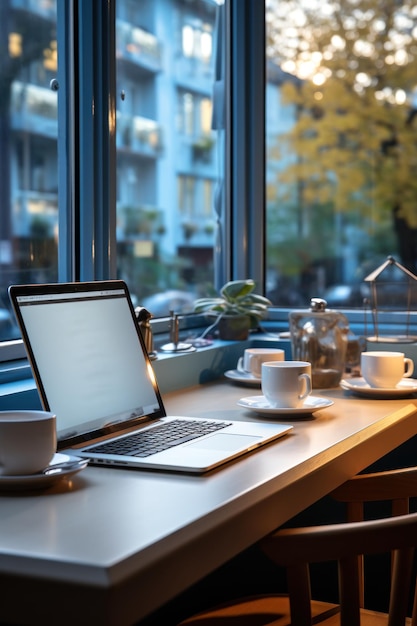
point(138, 46)
point(35, 214)
point(34, 107)
point(202, 149)
point(139, 135)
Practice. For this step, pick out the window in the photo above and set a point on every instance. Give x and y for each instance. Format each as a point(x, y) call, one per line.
point(186, 192)
point(196, 200)
point(195, 115)
point(166, 157)
point(28, 149)
point(186, 113)
point(179, 114)
point(197, 39)
point(134, 225)
point(341, 146)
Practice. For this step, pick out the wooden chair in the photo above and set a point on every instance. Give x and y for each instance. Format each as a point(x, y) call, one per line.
point(395, 486)
point(295, 548)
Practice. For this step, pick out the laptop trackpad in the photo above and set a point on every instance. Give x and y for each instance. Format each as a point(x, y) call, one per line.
point(222, 441)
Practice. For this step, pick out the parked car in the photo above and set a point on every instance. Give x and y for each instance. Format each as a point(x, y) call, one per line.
point(160, 304)
point(347, 295)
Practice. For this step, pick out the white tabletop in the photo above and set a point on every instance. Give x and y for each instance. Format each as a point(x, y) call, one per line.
point(131, 540)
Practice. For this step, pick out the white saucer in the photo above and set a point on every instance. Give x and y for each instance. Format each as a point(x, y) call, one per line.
point(360, 387)
point(245, 378)
point(260, 405)
point(61, 466)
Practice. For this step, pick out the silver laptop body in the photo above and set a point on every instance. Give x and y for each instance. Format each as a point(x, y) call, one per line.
point(92, 370)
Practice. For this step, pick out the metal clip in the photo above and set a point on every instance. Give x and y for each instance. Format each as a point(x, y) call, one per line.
point(143, 316)
point(174, 329)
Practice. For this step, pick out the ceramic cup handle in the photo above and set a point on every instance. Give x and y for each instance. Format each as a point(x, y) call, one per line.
point(409, 367)
point(304, 386)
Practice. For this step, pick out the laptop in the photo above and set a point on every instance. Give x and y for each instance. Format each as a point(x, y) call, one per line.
point(92, 370)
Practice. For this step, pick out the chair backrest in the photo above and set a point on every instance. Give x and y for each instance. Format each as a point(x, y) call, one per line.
point(395, 486)
point(345, 543)
point(398, 486)
point(296, 548)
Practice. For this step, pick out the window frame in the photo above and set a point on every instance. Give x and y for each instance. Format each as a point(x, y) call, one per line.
point(246, 167)
point(86, 146)
point(87, 158)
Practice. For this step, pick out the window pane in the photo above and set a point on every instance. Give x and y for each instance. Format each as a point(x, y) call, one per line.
point(341, 145)
point(28, 148)
point(167, 163)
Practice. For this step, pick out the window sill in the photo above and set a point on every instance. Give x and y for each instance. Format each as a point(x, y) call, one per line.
point(18, 389)
point(190, 368)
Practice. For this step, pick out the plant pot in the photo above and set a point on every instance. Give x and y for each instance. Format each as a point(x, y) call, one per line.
point(234, 327)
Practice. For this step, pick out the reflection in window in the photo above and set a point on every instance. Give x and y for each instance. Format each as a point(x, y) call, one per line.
point(341, 142)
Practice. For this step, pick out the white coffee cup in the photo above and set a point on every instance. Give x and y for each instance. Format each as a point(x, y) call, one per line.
point(253, 358)
point(27, 441)
point(286, 384)
point(384, 369)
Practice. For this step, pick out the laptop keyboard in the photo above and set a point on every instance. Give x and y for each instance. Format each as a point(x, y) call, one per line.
point(160, 437)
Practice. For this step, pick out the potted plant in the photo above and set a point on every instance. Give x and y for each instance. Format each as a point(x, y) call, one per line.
point(236, 308)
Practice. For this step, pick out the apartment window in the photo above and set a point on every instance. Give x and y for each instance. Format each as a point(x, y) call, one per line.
point(207, 201)
point(195, 114)
point(341, 146)
point(186, 113)
point(186, 195)
point(197, 40)
point(206, 114)
point(195, 197)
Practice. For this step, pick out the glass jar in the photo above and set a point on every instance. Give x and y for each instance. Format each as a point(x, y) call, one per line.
point(319, 335)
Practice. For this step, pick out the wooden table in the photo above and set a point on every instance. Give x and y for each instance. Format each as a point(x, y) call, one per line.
point(112, 545)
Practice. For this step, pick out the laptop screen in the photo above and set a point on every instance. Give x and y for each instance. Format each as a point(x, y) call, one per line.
point(87, 356)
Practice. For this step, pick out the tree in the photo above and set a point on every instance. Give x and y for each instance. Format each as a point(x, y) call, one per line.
point(354, 140)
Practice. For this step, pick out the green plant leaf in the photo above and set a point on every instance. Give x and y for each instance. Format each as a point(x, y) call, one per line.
point(236, 298)
point(255, 297)
point(237, 289)
point(209, 304)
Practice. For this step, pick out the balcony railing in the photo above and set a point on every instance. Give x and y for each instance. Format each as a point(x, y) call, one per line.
point(34, 107)
point(137, 45)
point(139, 134)
point(35, 212)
